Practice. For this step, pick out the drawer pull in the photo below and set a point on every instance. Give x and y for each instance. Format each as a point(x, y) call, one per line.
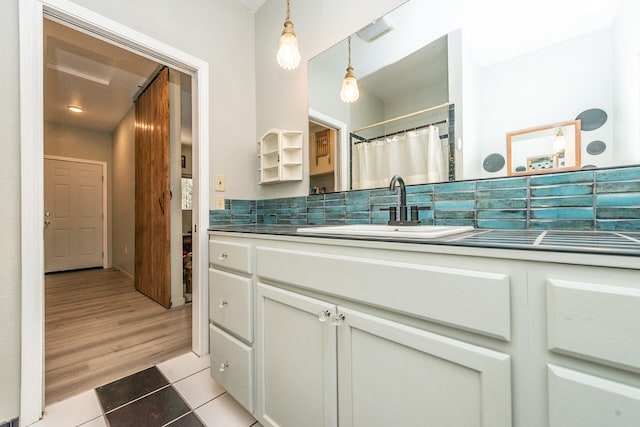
point(324, 315)
point(338, 319)
point(223, 366)
point(223, 304)
point(223, 256)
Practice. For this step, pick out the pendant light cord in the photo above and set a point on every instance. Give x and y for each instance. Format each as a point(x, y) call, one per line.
point(349, 41)
point(288, 17)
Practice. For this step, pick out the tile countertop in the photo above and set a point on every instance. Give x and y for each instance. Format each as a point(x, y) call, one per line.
point(581, 242)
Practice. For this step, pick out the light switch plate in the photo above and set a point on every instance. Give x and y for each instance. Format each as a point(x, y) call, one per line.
point(219, 205)
point(219, 183)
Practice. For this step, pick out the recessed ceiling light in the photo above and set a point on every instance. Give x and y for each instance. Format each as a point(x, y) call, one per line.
point(75, 108)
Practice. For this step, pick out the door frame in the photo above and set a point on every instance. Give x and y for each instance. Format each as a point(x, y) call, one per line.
point(106, 261)
point(31, 16)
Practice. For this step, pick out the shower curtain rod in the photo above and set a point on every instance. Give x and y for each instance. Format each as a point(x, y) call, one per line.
point(406, 116)
point(361, 139)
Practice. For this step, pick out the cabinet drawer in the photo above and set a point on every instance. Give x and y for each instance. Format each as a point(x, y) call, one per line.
point(234, 256)
point(475, 300)
point(594, 321)
point(231, 302)
point(232, 366)
point(579, 399)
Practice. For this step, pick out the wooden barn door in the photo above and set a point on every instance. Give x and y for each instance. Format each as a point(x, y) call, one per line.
point(152, 204)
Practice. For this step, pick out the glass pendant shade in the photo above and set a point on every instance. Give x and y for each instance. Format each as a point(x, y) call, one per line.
point(560, 141)
point(349, 92)
point(288, 54)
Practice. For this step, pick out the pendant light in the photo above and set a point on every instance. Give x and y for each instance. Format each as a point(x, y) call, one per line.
point(288, 53)
point(349, 92)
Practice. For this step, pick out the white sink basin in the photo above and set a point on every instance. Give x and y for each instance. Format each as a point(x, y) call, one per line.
point(383, 230)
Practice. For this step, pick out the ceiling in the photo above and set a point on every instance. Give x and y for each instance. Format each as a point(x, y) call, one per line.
point(103, 79)
point(90, 73)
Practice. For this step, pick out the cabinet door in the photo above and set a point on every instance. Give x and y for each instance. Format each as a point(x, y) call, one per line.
point(296, 360)
point(231, 303)
point(392, 374)
point(232, 366)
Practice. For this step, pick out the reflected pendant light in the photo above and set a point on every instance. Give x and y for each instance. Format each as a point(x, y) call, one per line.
point(349, 92)
point(288, 53)
point(560, 141)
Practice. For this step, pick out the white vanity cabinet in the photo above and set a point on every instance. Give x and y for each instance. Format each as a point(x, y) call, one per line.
point(324, 360)
point(327, 362)
point(361, 333)
point(231, 294)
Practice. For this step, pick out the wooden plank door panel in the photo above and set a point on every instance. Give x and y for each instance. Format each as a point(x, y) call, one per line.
point(152, 218)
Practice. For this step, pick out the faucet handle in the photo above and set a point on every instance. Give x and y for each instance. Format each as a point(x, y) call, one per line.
point(414, 212)
point(392, 212)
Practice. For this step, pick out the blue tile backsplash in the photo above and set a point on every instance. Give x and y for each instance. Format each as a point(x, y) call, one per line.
point(607, 200)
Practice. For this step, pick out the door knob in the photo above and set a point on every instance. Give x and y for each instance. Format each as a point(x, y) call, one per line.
point(47, 214)
point(47, 222)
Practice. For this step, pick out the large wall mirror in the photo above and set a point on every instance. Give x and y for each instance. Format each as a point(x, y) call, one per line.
point(489, 69)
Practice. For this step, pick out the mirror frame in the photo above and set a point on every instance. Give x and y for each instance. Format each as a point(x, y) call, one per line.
point(576, 124)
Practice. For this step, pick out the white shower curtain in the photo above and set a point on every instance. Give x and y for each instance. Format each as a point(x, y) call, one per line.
point(417, 156)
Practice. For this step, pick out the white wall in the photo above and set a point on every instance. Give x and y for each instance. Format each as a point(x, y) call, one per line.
point(370, 109)
point(123, 207)
point(626, 82)
point(68, 141)
point(525, 92)
point(281, 95)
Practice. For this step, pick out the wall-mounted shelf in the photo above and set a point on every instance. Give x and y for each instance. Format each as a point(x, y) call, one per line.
point(280, 155)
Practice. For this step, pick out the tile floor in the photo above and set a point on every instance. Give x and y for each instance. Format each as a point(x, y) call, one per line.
point(176, 393)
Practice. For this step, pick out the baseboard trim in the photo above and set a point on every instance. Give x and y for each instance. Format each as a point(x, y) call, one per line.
point(178, 302)
point(126, 273)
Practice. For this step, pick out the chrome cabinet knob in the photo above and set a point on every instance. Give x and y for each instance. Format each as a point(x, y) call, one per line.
point(223, 255)
point(338, 319)
point(223, 366)
point(223, 303)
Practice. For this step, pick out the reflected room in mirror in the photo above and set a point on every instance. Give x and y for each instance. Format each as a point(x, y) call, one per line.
point(500, 72)
point(544, 149)
point(322, 159)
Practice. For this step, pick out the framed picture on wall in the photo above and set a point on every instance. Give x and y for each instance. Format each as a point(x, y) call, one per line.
point(183, 161)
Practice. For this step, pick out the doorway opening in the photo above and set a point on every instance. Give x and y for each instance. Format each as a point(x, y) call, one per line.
point(92, 209)
point(32, 14)
point(329, 154)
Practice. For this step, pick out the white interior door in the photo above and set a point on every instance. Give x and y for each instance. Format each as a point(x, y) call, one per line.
point(73, 215)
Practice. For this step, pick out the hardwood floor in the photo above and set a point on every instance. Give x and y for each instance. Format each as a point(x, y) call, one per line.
point(98, 328)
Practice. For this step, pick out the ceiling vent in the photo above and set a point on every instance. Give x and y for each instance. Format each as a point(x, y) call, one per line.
point(76, 61)
point(375, 30)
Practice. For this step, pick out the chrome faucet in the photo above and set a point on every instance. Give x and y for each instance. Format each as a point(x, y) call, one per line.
point(402, 197)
